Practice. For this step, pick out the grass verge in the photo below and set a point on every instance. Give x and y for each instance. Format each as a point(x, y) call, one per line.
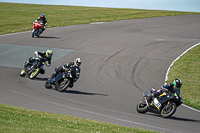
point(19, 17)
point(21, 120)
point(187, 69)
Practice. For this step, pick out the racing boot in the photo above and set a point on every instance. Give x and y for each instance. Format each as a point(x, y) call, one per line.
point(42, 71)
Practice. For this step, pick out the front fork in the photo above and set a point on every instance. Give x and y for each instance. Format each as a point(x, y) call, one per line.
point(33, 29)
point(168, 104)
point(36, 33)
point(145, 98)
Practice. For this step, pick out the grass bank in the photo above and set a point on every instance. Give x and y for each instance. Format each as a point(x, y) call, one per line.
point(187, 68)
point(19, 17)
point(20, 120)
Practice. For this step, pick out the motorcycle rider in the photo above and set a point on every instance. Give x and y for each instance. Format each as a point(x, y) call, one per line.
point(44, 55)
point(76, 65)
point(42, 19)
point(171, 87)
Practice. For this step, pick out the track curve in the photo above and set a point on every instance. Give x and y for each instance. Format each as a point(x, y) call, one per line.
point(120, 60)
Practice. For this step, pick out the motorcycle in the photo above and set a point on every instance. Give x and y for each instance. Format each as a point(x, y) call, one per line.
point(37, 28)
point(165, 104)
point(62, 81)
point(33, 69)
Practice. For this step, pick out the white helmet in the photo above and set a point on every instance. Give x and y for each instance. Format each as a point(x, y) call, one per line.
point(77, 61)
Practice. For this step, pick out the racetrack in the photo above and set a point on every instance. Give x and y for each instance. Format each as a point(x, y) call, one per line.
point(120, 60)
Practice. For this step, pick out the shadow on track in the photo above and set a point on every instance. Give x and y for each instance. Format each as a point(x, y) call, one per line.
point(184, 119)
point(49, 37)
point(41, 79)
point(175, 118)
point(84, 93)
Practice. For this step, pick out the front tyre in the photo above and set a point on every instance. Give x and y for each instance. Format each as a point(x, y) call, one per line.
point(34, 73)
point(22, 73)
point(48, 85)
point(142, 107)
point(63, 85)
point(168, 111)
point(33, 33)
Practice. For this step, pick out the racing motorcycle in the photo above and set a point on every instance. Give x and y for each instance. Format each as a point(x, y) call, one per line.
point(33, 69)
point(37, 28)
point(165, 104)
point(62, 81)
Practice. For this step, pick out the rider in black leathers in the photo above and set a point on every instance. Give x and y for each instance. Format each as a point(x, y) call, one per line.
point(76, 65)
point(171, 87)
point(42, 19)
point(44, 55)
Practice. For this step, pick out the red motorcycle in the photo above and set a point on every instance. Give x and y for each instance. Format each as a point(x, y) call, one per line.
point(37, 29)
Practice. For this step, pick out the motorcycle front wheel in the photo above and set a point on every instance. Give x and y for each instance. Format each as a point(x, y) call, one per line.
point(142, 107)
point(63, 85)
point(22, 73)
point(48, 85)
point(33, 33)
point(34, 73)
point(168, 111)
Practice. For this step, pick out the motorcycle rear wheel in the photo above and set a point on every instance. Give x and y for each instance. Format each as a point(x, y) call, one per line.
point(63, 85)
point(167, 112)
point(142, 107)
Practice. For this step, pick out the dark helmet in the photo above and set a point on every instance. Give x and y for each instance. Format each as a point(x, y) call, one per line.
point(49, 53)
point(177, 83)
point(42, 16)
point(77, 61)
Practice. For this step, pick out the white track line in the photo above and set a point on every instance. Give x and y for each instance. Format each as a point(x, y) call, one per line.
point(15, 33)
point(166, 75)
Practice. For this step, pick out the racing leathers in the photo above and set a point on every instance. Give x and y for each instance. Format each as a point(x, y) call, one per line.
point(42, 20)
point(167, 88)
point(41, 56)
point(66, 67)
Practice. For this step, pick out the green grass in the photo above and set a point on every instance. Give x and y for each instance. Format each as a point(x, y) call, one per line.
point(19, 17)
point(187, 68)
point(20, 120)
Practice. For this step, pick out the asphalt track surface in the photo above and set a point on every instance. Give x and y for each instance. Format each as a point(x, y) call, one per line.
point(120, 60)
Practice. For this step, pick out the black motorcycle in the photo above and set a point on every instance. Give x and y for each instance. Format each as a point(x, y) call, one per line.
point(62, 81)
point(165, 104)
point(33, 69)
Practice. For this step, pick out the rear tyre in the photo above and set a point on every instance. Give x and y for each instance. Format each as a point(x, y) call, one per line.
point(142, 107)
point(63, 85)
point(168, 111)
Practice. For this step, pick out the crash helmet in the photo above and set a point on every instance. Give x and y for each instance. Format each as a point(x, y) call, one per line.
point(77, 62)
point(49, 53)
point(177, 83)
point(42, 16)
